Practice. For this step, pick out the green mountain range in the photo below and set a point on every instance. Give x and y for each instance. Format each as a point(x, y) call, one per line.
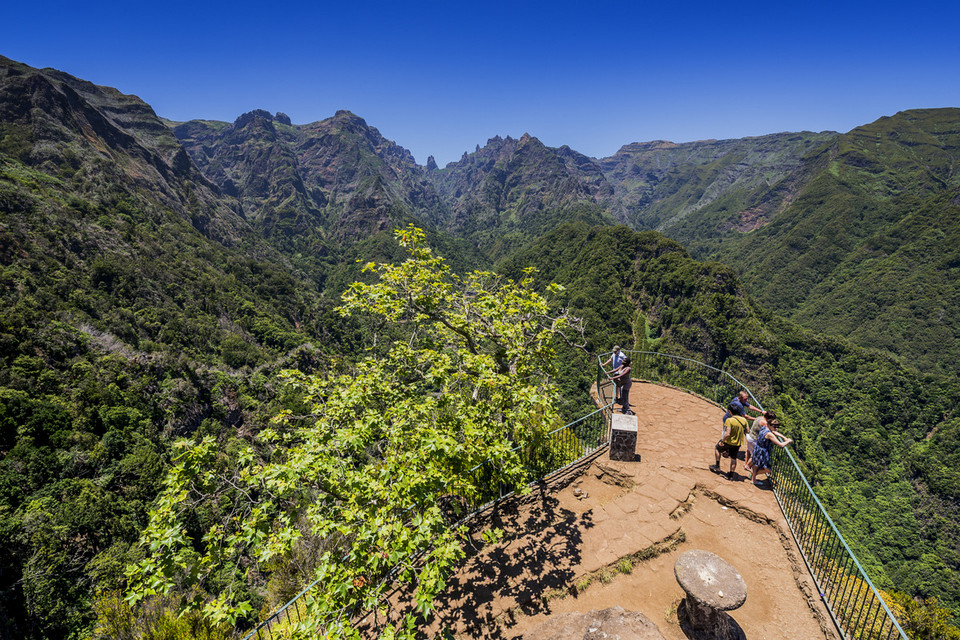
point(511, 191)
point(868, 247)
point(158, 274)
point(715, 185)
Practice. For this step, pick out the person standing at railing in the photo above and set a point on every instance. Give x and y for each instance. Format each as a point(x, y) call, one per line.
point(615, 360)
point(732, 439)
point(761, 421)
point(763, 450)
point(741, 400)
point(623, 382)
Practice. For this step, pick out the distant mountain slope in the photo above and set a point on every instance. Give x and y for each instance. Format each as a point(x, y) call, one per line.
point(325, 194)
point(88, 135)
point(726, 183)
point(870, 245)
point(511, 191)
point(337, 180)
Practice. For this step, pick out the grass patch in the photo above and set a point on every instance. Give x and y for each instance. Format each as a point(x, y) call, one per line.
point(624, 565)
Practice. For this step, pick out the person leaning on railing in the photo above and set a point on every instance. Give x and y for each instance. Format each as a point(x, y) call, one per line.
point(762, 421)
point(624, 382)
point(616, 359)
point(763, 449)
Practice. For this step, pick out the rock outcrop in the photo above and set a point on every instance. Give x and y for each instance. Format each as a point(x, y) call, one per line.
point(614, 623)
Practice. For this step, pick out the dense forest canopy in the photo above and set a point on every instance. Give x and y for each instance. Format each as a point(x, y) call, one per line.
point(158, 277)
point(367, 478)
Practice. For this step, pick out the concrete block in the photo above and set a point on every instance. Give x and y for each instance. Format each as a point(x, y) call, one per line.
point(623, 437)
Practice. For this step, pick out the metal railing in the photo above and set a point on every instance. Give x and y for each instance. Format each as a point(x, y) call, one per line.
point(713, 384)
point(557, 450)
point(857, 609)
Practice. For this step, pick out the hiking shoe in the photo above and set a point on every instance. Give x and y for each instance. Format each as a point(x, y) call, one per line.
point(715, 468)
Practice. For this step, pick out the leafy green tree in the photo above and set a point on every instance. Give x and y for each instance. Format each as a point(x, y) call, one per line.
point(383, 468)
point(923, 618)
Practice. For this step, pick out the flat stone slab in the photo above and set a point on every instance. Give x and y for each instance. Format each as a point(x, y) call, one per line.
point(710, 580)
point(605, 624)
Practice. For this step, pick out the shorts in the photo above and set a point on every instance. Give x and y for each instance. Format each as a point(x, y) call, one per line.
point(727, 450)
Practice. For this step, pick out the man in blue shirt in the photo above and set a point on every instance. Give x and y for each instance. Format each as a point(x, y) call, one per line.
point(741, 400)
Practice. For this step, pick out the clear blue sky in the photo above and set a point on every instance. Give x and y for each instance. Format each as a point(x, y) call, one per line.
point(441, 77)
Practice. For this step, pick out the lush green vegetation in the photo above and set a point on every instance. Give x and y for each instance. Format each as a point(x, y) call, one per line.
point(121, 327)
point(878, 439)
point(141, 306)
point(379, 468)
point(860, 240)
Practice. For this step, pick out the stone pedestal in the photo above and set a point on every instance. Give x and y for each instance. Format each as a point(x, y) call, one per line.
point(713, 587)
point(623, 437)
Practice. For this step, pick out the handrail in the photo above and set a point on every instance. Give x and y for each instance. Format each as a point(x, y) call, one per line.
point(566, 446)
point(856, 607)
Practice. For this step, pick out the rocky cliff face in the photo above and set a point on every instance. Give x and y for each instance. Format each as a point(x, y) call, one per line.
point(92, 136)
point(338, 178)
point(512, 189)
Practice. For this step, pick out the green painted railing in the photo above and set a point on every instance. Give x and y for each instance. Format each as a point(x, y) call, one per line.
point(857, 609)
point(559, 449)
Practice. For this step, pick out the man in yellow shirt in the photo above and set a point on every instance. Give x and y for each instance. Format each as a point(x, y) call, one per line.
point(734, 429)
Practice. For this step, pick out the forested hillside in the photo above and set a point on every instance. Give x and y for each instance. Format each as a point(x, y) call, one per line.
point(710, 186)
point(138, 306)
point(158, 275)
point(853, 234)
point(870, 247)
point(879, 440)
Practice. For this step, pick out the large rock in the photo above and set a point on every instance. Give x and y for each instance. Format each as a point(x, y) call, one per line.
point(607, 624)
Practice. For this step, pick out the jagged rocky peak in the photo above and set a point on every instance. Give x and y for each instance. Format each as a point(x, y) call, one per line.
point(343, 117)
point(432, 164)
point(260, 117)
point(282, 118)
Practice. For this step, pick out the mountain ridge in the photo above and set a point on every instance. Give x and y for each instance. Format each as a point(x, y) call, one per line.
point(145, 300)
